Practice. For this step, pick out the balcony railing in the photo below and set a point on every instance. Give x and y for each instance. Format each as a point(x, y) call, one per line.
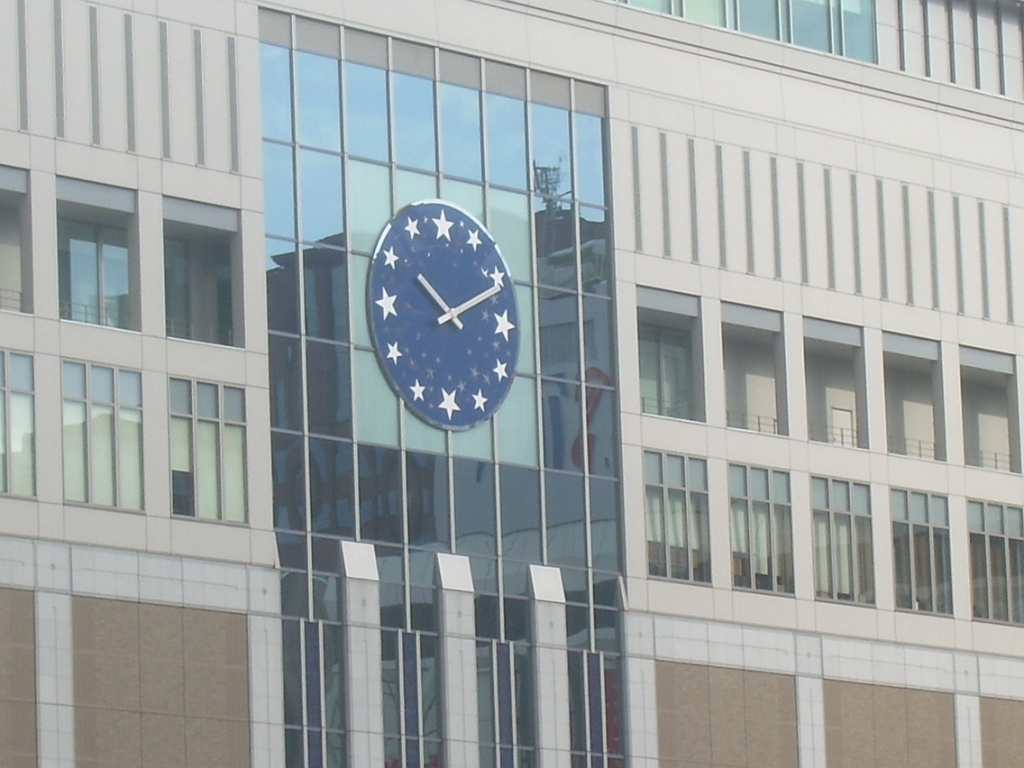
point(10, 299)
point(89, 313)
point(214, 334)
point(989, 460)
point(753, 422)
point(660, 407)
point(828, 433)
point(911, 446)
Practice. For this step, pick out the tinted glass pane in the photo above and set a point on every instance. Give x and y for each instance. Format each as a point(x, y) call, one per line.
point(758, 17)
point(278, 190)
point(604, 524)
point(369, 205)
point(559, 335)
point(289, 486)
point(810, 24)
point(475, 516)
point(275, 79)
point(858, 29)
point(319, 100)
point(509, 223)
point(207, 401)
point(129, 386)
point(366, 116)
point(562, 425)
point(330, 487)
point(595, 263)
point(116, 306)
point(21, 373)
point(414, 121)
point(551, 160)
point(320, 175)
point(328, 385)
point(506, 141)
point(598, 340)
point(427, 496)
point(520, 513)
point(181, 394)
point(282, 286)
point(326, 287)
point(380, 494)
point(601, 442)
point(589, 159)
point(460, 131)
point(556, 243)
point(567, 540)
point(285, 383)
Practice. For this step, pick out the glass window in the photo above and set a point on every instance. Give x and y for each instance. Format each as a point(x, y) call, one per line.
point(321, 197)
point(678, 536)
point(325, 280)
point(843, 559)
point(567, 538)
point(921, 551)
point(102, 417)
point(858, 29)
point(997, 561)
point(426, 478)
point(278, 190)
point(366, 117)
point(380, 494)
point(589, 159)
point(208, 467)
point(460, 131)
point(328, 385)
point(198, 290)
point(15, 270)
point(331, 489)
point(668, 385)
point(475, 515)
point(762, 529)
point(811, 24)
point(551, 160)
point(414, 122)
point(758, 17)
point(506, 141)
point(282, 286)
point(275, 79)
point(319, 97)
point(92, 263)
point(17, 425)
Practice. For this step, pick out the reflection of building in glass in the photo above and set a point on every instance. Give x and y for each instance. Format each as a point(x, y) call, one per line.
point(753, 497)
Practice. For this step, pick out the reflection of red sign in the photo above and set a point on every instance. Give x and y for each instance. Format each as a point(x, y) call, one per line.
point(614, 715)
point(593, 401)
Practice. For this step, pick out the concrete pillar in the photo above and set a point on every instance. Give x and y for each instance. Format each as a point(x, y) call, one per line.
point(551, 666)
point(457, 609)
point(364, 695)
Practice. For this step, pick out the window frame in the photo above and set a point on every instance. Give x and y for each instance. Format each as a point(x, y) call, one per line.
point(860, 578)
point(222, 424)
point(694, 530)
point(780, 575)
point(8, 391)
point(919, 532)
point(126, 320)
point(985, 543)
point(118, 460)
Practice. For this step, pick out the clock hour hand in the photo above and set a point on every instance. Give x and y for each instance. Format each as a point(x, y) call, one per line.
point(440, 302)
point(453, 314)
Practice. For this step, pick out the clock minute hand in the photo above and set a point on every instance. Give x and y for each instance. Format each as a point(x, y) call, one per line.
point(440, 302)
point(453, 314)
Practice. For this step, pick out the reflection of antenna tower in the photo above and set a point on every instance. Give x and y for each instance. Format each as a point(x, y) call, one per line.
point(546, 180)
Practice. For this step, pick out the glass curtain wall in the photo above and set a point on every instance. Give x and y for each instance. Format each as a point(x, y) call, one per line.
point(355, 127)
point(843, 27)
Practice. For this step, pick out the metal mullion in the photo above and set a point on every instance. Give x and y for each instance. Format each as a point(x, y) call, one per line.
point(1000, 48)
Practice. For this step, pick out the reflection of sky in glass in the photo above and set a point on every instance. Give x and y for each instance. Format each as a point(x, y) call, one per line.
point(366, 116)
point(460, 131)
point(551, 148)
point(589, 160)
point(278, 195)
point(276, 92)
point(414, 122)
point(506, 141)
point(369, 209)
point(319, 101)
point(321, 194)
point(810, 24)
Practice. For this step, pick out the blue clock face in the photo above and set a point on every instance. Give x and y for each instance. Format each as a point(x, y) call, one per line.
point(443, 314)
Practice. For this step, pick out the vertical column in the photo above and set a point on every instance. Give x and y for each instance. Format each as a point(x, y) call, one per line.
point(551, 666)
point(361, 619)
point(810, 721)
point(458, 661)
point(967, 712)
point(55, 695)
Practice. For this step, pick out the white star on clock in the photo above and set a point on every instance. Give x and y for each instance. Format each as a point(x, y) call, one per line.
point(500, 370)
point(413, 227)
point(474, 239)
point(393, 353)
point(499, 278)
point(479, 400)
point(417, 390)
point(448, 403)
point(443, 225)
point(387, 303)
point(504, 326)
point(390, 258)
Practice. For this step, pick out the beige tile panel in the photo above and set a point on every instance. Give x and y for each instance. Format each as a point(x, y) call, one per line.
point(17, 679)
point(1002, 733)
point(159, 686)
point(887, 727)
point(712, 717)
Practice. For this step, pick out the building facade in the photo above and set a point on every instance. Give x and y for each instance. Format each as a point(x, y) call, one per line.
point(752, 495)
